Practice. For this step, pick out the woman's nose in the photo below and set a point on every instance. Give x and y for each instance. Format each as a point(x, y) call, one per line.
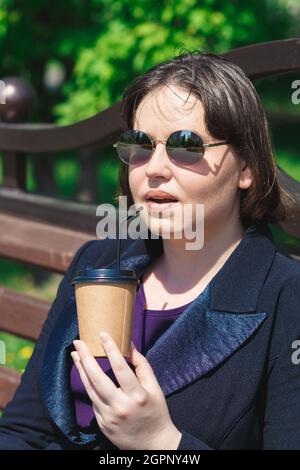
point(159, 163)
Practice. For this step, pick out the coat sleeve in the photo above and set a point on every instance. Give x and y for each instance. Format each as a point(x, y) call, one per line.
point(281, 417)
point(190, 442)
point(25, 423)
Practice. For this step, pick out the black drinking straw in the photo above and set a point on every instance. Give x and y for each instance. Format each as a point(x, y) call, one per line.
point(118, 237)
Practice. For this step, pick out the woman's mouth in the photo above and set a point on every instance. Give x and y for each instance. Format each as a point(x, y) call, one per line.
point(160, 204)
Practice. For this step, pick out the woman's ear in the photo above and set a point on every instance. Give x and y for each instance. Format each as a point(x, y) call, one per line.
point(246, 176)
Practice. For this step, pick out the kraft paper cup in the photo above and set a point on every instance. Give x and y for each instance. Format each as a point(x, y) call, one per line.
point(105, 300)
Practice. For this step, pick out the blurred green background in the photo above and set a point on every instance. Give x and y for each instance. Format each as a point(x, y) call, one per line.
point(80, 56)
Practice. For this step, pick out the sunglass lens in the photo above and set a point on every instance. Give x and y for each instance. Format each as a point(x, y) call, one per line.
point(185, 147)
point(134, 147)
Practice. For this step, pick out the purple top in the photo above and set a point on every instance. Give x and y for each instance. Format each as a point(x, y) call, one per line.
point(148, 325)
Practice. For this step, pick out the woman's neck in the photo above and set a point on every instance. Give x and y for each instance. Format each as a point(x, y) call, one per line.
point(181, 269)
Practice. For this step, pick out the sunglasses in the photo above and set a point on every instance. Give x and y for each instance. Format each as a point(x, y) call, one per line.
point(135, 147)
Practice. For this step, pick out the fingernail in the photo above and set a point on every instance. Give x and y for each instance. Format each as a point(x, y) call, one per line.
point(76, 345)
point(74, 360)
point(104, 336)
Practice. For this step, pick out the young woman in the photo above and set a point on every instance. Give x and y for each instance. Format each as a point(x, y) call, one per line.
point(214, 362)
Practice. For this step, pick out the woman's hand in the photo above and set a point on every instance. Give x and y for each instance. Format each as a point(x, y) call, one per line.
point(134, 415)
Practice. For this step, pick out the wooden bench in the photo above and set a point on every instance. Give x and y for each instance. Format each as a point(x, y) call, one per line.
point(46, 232)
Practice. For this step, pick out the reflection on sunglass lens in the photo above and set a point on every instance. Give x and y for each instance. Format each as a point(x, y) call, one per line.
point(185, 147)
point(134, 147)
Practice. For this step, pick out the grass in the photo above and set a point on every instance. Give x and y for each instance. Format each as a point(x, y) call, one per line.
point(18, 351)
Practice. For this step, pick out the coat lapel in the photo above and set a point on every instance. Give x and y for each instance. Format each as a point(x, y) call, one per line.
point(209, 331)
point(199, 340)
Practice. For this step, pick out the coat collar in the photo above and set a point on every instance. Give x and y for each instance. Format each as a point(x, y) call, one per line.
point(211, 329)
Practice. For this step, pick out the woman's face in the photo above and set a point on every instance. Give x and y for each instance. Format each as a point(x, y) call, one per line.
point(214, 181)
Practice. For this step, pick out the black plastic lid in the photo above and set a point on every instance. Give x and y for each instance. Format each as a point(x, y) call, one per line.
point(103, 275)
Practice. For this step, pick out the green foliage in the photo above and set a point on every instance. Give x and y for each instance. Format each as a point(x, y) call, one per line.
point(133, 38)
point(103, 44)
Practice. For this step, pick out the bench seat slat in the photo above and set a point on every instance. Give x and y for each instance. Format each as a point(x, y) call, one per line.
point(22, 315)
point(37, 243)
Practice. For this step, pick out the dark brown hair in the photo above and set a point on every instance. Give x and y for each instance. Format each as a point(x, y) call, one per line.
point(233, 111)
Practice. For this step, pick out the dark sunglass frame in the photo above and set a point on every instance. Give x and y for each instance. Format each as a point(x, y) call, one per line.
point(200, 150)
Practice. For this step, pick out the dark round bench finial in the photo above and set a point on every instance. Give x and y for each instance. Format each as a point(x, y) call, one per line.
point(19, 100)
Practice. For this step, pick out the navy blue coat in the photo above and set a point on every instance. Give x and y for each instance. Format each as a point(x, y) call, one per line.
point(226, 366)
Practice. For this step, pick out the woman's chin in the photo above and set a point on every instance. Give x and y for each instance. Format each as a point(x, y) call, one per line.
point(165, 229)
